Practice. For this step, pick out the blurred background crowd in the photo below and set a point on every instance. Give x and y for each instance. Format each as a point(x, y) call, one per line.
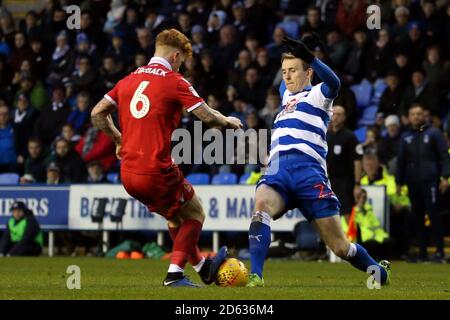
point(51, 77)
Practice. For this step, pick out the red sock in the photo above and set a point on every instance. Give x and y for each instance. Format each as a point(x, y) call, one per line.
point(185, 244)
point(195, 257)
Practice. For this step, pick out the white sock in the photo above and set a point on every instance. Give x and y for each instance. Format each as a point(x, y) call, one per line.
point(174, 268)
point(199, 265)
point(263, 217)
point(351, 250)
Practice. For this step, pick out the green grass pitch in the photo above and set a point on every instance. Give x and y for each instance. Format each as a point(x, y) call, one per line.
point(45, 278)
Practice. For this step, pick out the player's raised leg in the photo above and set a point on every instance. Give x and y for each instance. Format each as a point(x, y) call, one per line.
point(330, 231)
point(268, 204)
point(185, 229)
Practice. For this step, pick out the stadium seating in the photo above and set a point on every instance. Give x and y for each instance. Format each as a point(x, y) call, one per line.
point(291, 28)
point(243, 179)
point(363, 93)
point(368, 116)
point(113, 177)
point(224, 178)
point(198, 178)
point(361, 134)
point(378, 88)
point(9, 178)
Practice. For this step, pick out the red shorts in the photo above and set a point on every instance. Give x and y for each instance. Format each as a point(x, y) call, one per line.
point(163, 193)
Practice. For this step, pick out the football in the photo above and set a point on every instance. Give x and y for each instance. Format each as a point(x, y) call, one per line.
point(232, 273)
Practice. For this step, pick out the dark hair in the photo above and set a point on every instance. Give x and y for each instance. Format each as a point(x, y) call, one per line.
point(416, 105)
point(288, 55)
point(35, 140)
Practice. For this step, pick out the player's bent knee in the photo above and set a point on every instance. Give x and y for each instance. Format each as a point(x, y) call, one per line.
point(340, 249)
point(265, 206)
point(193, 210)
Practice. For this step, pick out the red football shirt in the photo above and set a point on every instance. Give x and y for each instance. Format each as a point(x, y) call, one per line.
point(150, 102)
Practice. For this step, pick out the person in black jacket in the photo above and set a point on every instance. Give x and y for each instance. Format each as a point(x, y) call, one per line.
point(73, 169)
point(423, 165)
point(23, 236)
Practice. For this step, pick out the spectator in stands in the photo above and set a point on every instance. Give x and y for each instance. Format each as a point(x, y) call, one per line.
point(392, 96)
point(346, 98)
point(84, 48)
point(145, 43)
point(184, 23)
point(271, 108)
point(420, 92)
point(251, 43)
point(314, 23)
point(355, 68)
point(38, 57)
point(140, 59)
point(154, 21)
point(68, 133)
point(52, 117)
point(351, 15)
point(239, 20)
point(92, 29)
point(95, 173)
point(276, 48)
point(371, 233)
point(85, 77)
point(23, 236)
point(35, 89)
point(56, 26)
point(337, 47)
point(8, 148)
point(24, 117)
point(118, 49)
point(54, 174)
point(7, 27)
point(79, 118)
point(20, 51)
point(36, 163)
point(415, 44)
point(438, 73)
point(344, 160)
point(71, 165)
point(216, 21)
point(237, 73)
point(266, 70)
point(30, 25)
point(381, 55)
point(370, 144)
point(399, 29)
point(212, 78)
point(198, 43)
point(96, 145)
point(63, 60)
point(377, 174)
point(403, 68)
point(423, 165)
point(388, 145)
point(252, 90)
point(226, 51)
point(110, 72)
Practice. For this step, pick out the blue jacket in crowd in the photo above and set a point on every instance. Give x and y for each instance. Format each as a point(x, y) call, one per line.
point(422, 156)
point(7, 145)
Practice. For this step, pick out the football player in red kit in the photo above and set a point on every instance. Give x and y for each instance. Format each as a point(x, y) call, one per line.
point(150, 102)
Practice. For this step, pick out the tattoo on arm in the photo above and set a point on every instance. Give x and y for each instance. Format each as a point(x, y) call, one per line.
point(101, 119)
point(210, 116)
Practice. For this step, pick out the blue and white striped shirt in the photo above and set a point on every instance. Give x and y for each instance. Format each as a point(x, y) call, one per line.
point(301, 126)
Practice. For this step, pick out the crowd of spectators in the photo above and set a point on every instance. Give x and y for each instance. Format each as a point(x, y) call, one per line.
point(50, 76)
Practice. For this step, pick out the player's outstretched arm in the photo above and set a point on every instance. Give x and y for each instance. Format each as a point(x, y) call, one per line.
point(214, 118)
point(331, 82)
point(101, 119)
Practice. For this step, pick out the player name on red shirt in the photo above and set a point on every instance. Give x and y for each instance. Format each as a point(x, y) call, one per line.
point(150, 102)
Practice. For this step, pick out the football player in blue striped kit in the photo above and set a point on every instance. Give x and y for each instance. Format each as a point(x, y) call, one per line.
point(296, 176)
